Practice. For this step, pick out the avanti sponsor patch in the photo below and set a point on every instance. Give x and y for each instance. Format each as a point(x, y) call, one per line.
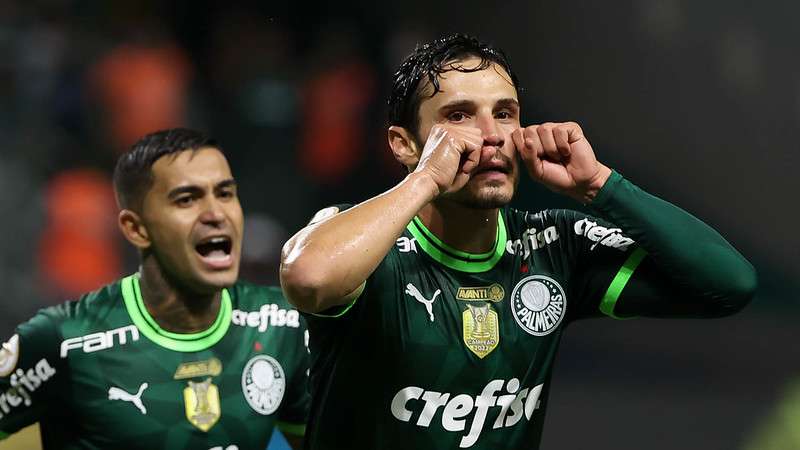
point(538, 304)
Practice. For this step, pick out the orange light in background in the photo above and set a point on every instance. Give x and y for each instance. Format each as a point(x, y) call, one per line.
point(79, 248)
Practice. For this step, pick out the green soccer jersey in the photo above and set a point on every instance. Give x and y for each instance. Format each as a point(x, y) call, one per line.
point(99, 373)
point(445, 349)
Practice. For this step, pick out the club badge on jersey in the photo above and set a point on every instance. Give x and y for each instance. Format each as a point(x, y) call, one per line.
point(481, 327)
point(263, 384)
point(538, 304)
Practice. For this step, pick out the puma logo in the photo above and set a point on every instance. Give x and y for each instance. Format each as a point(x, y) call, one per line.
point(414, 292)
point(116, 393)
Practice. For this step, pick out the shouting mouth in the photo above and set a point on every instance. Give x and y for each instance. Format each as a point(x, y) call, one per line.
point(215, 251)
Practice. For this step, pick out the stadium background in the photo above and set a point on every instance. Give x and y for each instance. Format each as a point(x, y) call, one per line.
point(698, 102)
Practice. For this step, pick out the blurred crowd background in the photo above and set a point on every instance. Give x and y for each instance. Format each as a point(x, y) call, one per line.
point(697, 102)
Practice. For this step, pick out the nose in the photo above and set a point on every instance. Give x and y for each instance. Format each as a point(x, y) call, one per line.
point(492, 137)
point(212, 213)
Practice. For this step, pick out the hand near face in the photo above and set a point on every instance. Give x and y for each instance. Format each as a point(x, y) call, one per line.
point(560, 157)
point(450, 154)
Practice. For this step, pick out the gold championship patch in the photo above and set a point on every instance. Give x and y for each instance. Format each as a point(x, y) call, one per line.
point(211, 367)
point(493, 293)
point(481, 329)
point(202, 404)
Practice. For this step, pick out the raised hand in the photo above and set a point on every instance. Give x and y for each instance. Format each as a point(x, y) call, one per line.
point(560, 157)
point(450, 155)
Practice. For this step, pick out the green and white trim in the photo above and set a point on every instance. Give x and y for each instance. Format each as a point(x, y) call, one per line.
point(456, 259)
point(193, 342)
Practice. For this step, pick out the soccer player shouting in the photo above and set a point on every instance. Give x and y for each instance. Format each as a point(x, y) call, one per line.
point(179, 355)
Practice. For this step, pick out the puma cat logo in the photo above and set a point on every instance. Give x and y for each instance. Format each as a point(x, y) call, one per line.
point(414, 292)
point(116, 393)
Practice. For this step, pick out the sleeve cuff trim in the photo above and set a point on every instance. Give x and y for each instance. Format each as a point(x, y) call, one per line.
point(620, 280)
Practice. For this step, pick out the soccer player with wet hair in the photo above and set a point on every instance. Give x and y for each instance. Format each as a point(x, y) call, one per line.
point(435, 310)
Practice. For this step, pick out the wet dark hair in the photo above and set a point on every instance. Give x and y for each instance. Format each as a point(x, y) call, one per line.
point(133, 175)
point(428, 62)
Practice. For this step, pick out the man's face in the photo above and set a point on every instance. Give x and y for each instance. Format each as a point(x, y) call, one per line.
point(194, 220)
point(486, 100)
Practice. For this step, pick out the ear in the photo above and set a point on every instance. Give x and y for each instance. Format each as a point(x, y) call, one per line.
point(132, 227)
point(404, 146)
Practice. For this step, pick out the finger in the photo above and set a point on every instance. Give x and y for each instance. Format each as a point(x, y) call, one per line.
point(519, 140)
point(470, 160)
point(561, 137)
point(545, 133)
point(533, 142)
point(533, 152)
point(574, 131)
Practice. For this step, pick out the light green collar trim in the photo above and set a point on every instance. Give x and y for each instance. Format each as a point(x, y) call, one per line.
point(457, 259)
point(193, 342)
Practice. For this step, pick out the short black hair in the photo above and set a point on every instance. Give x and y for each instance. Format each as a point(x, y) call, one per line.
point(429, 61)
point(133, 174)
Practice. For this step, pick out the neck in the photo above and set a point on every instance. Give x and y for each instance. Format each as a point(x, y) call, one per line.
point(173, 307)
point(466, 229)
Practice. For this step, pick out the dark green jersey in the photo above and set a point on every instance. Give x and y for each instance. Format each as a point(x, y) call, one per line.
point(445, 349)
point(99, 373)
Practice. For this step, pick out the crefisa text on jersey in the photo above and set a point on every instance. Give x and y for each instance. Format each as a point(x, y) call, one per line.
point(457, 409)
point(268, 315)
point(532, 239)
point(610, 237)
point(23, 384)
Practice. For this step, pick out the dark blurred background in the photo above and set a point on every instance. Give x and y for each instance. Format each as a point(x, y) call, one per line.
point(697, 102)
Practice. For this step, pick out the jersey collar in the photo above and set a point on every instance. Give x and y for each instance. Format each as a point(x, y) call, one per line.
point(193, 342)
point(456, 259)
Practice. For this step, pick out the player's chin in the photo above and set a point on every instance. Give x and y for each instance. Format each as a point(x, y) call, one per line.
point(489, 198)
point(213, 280)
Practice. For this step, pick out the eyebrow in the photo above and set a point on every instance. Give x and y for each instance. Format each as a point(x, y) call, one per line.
point(508, 103)
point(457, 104)
point(466, 104)
point(230, 182)
point(194, 189)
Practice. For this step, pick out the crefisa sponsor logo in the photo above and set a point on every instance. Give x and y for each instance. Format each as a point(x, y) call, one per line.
point(532, 239)
point(538, 304)
point(268, 315)
point(23, 384)
point(600, 235)
point(505, 399)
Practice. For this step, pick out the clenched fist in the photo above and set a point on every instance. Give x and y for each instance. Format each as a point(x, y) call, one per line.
point(450, 155)
point(560, 157)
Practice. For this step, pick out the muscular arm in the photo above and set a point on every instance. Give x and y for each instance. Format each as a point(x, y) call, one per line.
point(325, 262)
point(689, 270)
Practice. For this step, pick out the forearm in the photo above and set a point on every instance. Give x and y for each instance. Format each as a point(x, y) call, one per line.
point(696, 259)
point(325, 262)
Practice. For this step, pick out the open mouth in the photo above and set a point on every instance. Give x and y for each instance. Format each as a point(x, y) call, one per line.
point(217, 247)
